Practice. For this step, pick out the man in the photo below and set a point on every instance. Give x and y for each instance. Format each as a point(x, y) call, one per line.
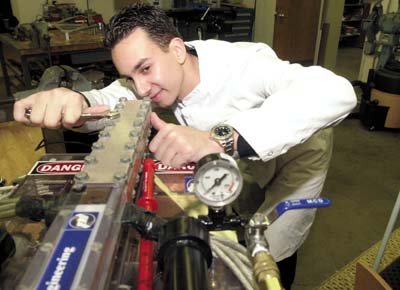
point(279, 111)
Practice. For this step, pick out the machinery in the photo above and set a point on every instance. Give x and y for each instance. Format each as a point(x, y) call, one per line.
point(380, 104)
point(92, 221)
point(62, 140)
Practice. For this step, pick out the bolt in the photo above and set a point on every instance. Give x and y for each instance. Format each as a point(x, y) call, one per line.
point(98, 145)
point(90, 159)
point(123, 99)
point(141, 118)
point(104, 134)
point(146, 100)
point(78, 187)
point(65, 213)
point(125, 158)
point(134, 133)
point(130, 145)
point(141, 115)
point(119, 106)
point(109, 211)
point(47, 247)
point(80, 176)
point(138, 123)
point(120, 176)
point(96, 247)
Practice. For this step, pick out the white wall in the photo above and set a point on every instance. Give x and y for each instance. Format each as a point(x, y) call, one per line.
point(264, 21)
point(27, 11)
point(333, 12)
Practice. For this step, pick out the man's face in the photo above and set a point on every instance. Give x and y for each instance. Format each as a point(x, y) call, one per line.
point(154, 72)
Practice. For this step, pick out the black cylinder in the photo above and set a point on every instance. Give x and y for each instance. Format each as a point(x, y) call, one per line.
point(7, 246)
point(184, 255)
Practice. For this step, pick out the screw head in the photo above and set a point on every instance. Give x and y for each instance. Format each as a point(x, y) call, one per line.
point(125, 158)
point(119, 106)
point(78, 187)
point(104, 134)
point(138, 123)
point(123, 99)
point(120, 176)
point(98, 145)
point(90, 159)
point(47, 247)
point(130, 145)
point(134, 133)
point(83, 175)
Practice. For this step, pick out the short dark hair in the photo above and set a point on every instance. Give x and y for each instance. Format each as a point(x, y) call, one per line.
point(147, 17)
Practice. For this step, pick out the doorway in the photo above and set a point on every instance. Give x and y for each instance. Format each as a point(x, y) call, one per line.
point(296, 29)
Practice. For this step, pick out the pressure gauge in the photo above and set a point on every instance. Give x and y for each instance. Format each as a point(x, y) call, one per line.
point(217, 181)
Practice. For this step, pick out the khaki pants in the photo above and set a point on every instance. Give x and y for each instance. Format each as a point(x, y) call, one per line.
point(300, 173)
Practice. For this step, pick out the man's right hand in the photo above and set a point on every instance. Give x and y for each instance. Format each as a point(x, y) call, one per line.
point(55, 108)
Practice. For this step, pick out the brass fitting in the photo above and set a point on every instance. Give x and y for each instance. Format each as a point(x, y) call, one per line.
point(266, 271)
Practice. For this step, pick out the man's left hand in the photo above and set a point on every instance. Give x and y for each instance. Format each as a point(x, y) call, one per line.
point(176, 145)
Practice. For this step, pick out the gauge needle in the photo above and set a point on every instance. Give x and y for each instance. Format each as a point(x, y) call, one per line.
point(217, 182)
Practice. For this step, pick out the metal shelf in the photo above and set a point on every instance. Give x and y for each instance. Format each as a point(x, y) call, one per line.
point(349, 35)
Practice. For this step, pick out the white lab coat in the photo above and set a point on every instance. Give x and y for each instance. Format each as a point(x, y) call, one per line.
point(276, 106)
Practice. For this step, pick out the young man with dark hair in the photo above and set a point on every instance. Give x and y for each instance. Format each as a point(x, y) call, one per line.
point(280, 113)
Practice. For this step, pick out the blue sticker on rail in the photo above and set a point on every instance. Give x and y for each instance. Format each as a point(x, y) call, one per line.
point(64, 262)
point(189, 186)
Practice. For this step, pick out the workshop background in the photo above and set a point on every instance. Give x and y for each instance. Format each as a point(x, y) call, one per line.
point(363, 181)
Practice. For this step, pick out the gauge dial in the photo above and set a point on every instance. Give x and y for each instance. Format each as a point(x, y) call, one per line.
point(217, 181)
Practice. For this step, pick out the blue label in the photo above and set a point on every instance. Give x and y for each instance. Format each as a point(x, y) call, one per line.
point(64, 262)
point(189, 186)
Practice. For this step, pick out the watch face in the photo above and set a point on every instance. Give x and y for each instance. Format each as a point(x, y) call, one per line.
point(222, 130)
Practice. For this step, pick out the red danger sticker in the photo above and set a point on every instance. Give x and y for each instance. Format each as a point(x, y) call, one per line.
point(160, 168)
point(57, 167)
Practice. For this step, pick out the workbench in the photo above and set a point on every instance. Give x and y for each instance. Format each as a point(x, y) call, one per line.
point(85, 46)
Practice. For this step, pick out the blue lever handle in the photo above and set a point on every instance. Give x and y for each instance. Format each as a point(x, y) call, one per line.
point(286, 205)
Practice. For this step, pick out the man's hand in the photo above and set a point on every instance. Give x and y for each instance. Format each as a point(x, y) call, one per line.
point(176, 145)
point(55, 108)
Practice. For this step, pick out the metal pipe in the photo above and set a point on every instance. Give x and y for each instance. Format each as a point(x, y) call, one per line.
point(388, 231)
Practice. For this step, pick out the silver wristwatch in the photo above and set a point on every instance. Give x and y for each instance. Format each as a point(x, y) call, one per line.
point(223, 134)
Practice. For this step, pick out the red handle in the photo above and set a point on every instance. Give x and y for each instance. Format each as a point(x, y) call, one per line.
point(148, 202)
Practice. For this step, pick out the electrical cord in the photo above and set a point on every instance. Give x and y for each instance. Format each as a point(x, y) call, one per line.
point(230, 264)
point(43, 144)
point(232, 255)
point(244, 259)
point(238, 263)
point(236, 246)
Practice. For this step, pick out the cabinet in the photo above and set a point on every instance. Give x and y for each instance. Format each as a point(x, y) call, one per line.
point(242, 26)
point(228, 23)
point(352, 33)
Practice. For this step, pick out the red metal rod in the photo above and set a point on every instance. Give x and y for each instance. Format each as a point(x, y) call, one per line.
point(148, 202)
